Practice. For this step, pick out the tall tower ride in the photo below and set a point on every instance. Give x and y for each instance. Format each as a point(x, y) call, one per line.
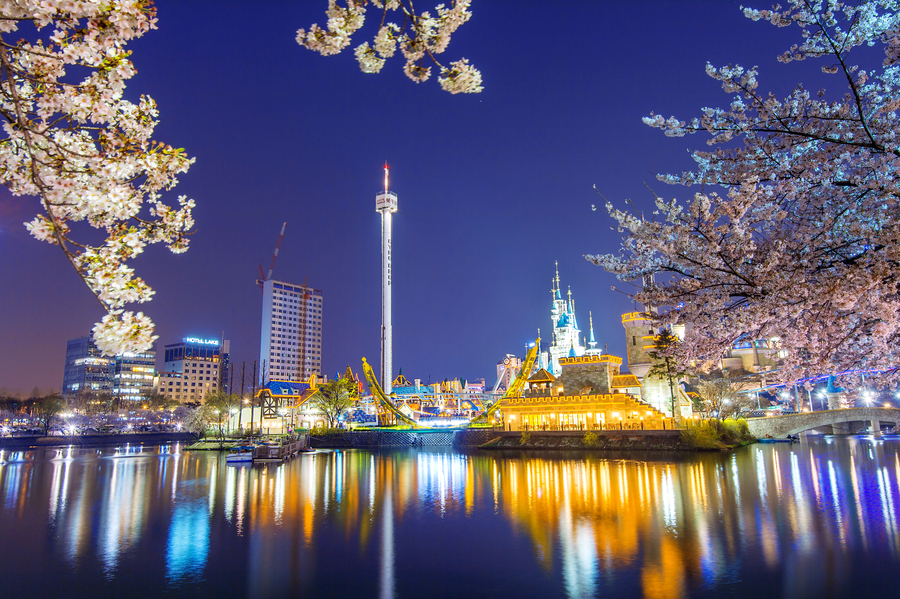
point(386, 204)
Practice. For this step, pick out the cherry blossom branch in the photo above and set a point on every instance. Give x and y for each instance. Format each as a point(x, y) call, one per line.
point(420, 36)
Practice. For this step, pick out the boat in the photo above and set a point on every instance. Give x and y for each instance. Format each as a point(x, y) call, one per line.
point(240, 454)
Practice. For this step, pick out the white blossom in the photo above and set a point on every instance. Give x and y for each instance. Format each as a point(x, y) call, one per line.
point(85, 151)
point(803, 243)
point(421, 38)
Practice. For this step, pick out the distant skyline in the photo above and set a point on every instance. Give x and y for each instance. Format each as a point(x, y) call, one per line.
point(493, 188)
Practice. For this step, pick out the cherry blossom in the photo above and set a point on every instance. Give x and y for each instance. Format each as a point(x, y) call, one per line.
point(70, 139)
point(420, 37)
point(794, 234)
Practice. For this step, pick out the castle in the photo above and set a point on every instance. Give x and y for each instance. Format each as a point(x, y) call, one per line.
point(582, 388)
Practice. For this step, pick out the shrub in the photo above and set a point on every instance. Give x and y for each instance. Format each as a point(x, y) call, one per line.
point(716, 434)
point(525, 439)
point(321, 431)
point(701, 436)
point(590, 439)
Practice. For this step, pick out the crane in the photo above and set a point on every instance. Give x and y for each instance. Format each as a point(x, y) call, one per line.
point(265, 277)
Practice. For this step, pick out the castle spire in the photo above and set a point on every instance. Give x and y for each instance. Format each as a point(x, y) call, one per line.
point(593, 342)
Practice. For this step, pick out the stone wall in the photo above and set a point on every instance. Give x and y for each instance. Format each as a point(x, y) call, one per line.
point(598, 377)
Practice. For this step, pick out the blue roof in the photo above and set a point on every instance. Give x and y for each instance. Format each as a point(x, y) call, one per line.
point(286, 387)
point(411, 390)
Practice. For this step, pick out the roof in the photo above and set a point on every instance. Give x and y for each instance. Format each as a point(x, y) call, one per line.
point(286, 388)
point(400, 381)
point(541, 376)
point(412, 390)
point(625, 380)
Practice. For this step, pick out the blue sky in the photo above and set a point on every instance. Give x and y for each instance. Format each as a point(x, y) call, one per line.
point(493, 188)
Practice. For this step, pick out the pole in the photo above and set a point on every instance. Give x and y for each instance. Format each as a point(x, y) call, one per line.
point(243, 389)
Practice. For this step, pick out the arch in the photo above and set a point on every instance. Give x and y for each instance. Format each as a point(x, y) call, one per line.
point(791, 424)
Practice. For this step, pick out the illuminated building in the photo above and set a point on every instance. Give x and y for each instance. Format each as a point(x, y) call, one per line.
point(589, 394)
point(129, 375)
point(508, 369)
point(566, 334)
point(194, 368)
point(290, 345)
point(87, 371)
point(134, 374)
point(386, 204)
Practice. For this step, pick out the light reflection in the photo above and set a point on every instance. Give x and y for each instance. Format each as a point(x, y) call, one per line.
point(675, 525)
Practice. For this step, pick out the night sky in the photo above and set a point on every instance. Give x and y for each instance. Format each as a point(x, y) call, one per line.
point(493, 187)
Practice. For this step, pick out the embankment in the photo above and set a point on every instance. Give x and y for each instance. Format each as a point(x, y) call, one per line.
point(600, 440)
point(95, 440)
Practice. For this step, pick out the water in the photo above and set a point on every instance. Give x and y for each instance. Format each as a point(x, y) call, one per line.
point(816, 519)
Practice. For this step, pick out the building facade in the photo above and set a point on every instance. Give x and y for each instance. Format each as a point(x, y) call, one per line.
point(194, 368)
point(134, 374)
point(87, 371)
point(507, 370)
point(290, 345)
point(589, 394)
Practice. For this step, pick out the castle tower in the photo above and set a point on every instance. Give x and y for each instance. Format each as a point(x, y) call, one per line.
point(638, 340)
point(566, 335)
point(386, 204)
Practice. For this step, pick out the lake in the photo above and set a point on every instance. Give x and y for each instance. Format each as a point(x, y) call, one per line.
point(820, 518)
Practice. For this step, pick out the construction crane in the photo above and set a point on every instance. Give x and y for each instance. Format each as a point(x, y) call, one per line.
point(265, 277)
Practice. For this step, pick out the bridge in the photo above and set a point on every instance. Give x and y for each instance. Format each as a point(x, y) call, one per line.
point(838, 421)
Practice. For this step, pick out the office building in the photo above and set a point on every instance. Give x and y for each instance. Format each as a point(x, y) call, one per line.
point(87, 371)
point(134, 373)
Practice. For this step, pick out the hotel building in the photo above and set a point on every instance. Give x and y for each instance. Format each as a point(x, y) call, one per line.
point(290, 345)
point(194, 368)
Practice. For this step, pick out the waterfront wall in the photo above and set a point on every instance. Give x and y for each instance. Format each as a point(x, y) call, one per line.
point(95, 440)
point(654, 440)
point(405, 438)
point(606, 440)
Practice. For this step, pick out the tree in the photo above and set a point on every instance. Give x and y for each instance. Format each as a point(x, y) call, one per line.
point(804, 245)
point(86, 153)
point(45, 411)
point(333, 399)
point(719, 400)
point(203, 420)
point(666, 347)
point(420, 37)
point(158, 401)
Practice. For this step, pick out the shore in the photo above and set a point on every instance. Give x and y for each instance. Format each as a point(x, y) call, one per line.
point(95, 440)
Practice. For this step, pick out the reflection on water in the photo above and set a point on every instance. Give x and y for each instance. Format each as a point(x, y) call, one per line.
point(820, 517)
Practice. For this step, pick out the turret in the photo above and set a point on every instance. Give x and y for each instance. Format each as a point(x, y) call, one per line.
point(638, 340)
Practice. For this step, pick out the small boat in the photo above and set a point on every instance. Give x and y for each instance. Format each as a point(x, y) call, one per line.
point(240, 454)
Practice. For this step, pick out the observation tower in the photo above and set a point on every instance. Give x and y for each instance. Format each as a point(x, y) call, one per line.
point(386, 204)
